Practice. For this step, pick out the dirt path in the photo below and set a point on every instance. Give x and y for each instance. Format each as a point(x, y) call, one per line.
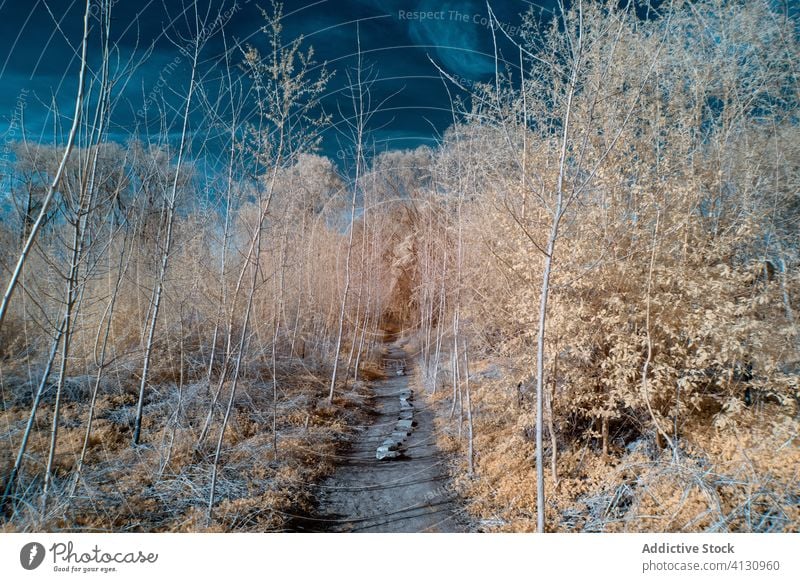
point(410, 493)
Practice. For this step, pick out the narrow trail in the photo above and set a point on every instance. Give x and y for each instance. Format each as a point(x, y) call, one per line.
point(411, 493)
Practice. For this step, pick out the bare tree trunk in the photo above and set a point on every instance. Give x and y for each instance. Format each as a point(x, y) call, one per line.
point(232, 395)
point(360, 113)
point(282, 117)
point(367, 313)
point(548, 262)
point(470, 453)
point(79, 229)
point(275, 334)
point(549, 397)
point(80, 220)
point(101, 364)
point(101, 121)
point(170, 218)
point(172, 423)
point(345, 292)
point(787, 302)
point(660, 432)
point(10, 485)
point(226, 228)
point(552, 430)
point(356, 342)
point(454, 364)
point(34, 231)
point(440, 318)
point(543, 297)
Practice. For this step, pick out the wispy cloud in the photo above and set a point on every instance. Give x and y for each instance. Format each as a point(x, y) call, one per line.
point(459, 38)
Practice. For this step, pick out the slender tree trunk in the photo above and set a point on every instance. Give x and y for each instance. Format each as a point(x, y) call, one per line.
point(548, 262)
point(470, 453)
point(101, 364)
point(358, 105)
point(440, 318)
point(367, 313)
point(552, 429)
point(225, 238)
point(10, 484)
point(645, 392)
point(34, 230)
point(101, 120)
point(170, 218)
point(274, 351)
point(69, 314)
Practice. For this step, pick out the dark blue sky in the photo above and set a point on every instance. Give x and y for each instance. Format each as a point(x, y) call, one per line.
point(39, 43)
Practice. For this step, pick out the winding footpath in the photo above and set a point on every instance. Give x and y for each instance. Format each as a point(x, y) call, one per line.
point(393, 478)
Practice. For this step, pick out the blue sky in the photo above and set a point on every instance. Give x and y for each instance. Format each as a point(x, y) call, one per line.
point(39, 42)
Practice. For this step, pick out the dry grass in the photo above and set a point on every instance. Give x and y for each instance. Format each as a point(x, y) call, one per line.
point(163, 485)
point(740, 476)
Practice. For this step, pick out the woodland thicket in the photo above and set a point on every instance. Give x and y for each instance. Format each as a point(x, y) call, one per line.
point(600, 256)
